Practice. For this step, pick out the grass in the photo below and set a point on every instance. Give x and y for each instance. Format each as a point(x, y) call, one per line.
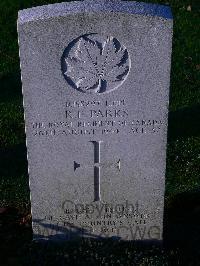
point(182, 217)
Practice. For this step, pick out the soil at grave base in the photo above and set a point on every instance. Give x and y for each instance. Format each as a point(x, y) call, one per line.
point(15, 232)
point(16, 236)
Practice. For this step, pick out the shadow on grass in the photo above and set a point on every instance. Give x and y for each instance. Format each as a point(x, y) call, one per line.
point(182, 221)
point(184, 123)
point(13, 161)
point(182, 228)
point(10, 87)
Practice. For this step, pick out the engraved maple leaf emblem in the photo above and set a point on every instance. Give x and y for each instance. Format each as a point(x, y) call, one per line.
point(97, 67)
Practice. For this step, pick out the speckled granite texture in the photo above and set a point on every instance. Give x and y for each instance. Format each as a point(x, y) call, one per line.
point(96, 78)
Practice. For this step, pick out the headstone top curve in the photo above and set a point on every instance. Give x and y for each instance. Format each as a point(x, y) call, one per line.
point(61, 9)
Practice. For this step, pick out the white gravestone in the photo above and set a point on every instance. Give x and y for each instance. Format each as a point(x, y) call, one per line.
point(95, 78)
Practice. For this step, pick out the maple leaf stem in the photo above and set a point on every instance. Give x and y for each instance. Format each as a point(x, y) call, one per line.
point(91, 58)
point(99, 86)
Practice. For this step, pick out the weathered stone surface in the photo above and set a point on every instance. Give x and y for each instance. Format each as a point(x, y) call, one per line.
point(95, 78)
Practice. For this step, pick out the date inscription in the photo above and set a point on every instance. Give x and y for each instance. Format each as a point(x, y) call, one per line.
point(96, 118)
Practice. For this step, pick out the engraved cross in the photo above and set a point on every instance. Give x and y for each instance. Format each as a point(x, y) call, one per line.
point(97, 168)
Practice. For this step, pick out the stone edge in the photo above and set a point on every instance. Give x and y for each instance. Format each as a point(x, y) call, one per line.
point(65, 8)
